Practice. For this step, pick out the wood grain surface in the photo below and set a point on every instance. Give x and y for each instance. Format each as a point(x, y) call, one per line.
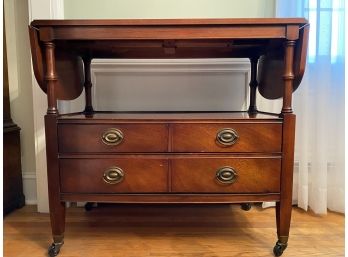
point(258, 175)
point(144, 22)
point(256, 137)
point(136, 138)
point(173, 231)
point(140, 175)
point(167, 117)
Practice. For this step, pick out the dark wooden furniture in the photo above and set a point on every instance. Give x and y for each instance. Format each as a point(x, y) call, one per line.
point(13, 185)
point(190, 157)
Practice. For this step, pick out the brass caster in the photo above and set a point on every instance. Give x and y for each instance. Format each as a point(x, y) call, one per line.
point(54, 249)
point(245, 206)
point(89, 206)
point(279, 248)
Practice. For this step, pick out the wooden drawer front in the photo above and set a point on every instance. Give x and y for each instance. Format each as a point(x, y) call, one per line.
point(87, 175)
point(256, 137)
point(254, 175)
point(136, 138)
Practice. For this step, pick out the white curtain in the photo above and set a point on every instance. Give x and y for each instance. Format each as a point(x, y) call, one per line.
point(319, 106)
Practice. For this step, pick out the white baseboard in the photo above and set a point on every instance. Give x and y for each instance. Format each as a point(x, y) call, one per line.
point(29, 187)
point(30, 202)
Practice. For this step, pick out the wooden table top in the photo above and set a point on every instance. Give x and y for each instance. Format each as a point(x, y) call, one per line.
point(167, 38)
point(159, 22)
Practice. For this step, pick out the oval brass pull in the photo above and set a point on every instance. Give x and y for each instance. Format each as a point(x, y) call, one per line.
point(226, 175)
point(113, 175)
point(227, 136)
point(112, 137)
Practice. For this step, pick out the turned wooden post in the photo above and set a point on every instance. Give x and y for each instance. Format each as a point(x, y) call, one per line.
point(284, 206)
point(57, 207)
point(88, 85)
point(51, 78)
point(253, 85)
point(288, 76)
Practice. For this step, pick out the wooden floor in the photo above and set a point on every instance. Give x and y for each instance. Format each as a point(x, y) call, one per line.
point(173, 231)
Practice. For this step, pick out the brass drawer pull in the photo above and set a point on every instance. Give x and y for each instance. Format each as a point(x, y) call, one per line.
point(112, 137)
point(226, 175)
point(227, 137)
point(113, 175)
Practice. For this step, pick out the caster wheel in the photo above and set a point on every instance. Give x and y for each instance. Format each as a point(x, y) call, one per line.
point(279, 249)
point(246, 206)
point(89, 206)
point(54, 249)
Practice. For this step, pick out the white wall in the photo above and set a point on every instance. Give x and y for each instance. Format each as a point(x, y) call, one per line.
point(20, 87)
point(121, 9)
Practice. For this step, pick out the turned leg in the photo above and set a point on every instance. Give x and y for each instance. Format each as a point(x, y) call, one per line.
point(88, 85)
point(283, 217)
point(245, 206)
point(57, 207)
point(89, 206)
point(284, 206)
point(253, 85)
point(57, 224)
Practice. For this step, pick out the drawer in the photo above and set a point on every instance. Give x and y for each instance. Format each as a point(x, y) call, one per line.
point(75, 138)
point(226, 175)
point(119, 175)
point(227, 137)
